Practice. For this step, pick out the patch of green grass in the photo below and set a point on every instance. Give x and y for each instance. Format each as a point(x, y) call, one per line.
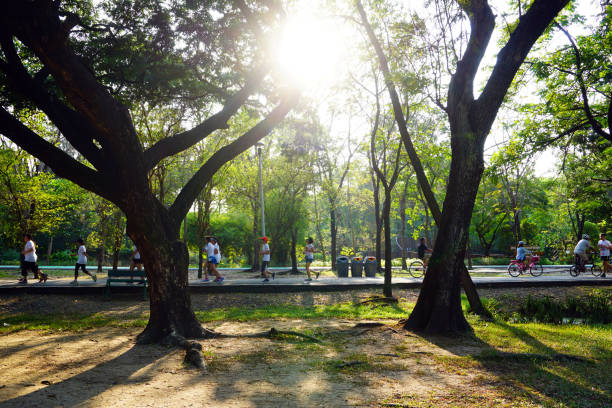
point(347, 310)
point(57, 323)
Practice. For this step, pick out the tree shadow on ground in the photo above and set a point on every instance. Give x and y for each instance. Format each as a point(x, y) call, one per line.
point(126, 368)
point(541, 374)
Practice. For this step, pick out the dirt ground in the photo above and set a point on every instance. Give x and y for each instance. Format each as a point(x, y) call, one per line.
point(353, 367)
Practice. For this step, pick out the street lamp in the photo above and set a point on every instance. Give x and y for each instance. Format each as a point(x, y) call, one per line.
point(259, 145)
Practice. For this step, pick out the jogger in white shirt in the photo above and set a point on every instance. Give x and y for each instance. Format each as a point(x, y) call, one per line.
point(81, 263)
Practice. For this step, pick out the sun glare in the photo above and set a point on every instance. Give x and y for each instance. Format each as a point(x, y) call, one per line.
point(310, 52)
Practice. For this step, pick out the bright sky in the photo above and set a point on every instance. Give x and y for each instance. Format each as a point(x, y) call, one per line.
point(317, 53)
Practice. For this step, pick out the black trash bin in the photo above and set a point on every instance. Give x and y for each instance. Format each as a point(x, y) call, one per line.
point(357, 267)
point(370, 267)
point(342, 265)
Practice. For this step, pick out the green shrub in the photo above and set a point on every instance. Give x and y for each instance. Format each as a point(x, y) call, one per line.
point(596, 308)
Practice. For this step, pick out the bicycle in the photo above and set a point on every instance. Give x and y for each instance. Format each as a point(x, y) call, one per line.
point(417, 268)
point(517, 267)
point(578, 267)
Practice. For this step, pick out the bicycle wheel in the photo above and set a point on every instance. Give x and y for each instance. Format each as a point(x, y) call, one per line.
point(596, 270)
point(574, 271)
point(536, 270)
point(416, 269)
point(514, 270)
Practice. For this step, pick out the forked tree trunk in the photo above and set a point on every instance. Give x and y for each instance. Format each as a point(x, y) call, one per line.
point(438, 309)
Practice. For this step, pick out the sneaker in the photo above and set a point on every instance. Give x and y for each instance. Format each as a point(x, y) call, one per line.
point(94, 277)
point(317, 275)
point(603, 275)
point(74, 283)
point(308, 280)
point(22, 281)
point(220, 280)
point(266, 280)
point(206, 280)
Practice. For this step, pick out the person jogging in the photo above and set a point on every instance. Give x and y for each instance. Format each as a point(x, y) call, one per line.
point(28, 262)
point(81, 263)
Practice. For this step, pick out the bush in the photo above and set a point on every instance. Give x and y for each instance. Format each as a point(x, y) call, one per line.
point(596, 308)
point(10, 255)
point(62, 256)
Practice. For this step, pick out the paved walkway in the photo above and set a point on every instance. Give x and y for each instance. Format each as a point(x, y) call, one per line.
point(297, 284)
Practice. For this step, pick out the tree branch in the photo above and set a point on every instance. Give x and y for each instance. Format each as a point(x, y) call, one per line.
point(69, 122)
point(597, 128)
point(62, 164)
point(188, 194)
point(181, 141)
point(530, 27)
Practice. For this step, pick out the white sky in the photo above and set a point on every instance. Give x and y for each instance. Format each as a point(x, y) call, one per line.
point(325, 43)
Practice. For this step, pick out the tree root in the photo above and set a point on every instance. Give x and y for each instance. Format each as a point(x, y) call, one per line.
point(272, 333)
point(193, 350)
point(379, 299)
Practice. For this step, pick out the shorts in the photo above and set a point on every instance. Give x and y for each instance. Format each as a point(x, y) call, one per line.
point(582, 256)
point(522, 259)
point(212, 260)
point(309, 259)
point(421, 257)
point(605, 258)
point(79, 265)
point(264, 266)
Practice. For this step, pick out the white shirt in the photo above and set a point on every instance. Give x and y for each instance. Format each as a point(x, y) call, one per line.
point(82, 258)
point(604, 247)
point(210, 250)
point(264, 248)
point(582, 246)
point(218, 254)
point(137, 254)
point(309, 250)
point(30, 256)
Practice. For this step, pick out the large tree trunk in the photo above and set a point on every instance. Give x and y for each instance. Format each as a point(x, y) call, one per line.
point(166, 262)
point(377, 219)
point(438, 309)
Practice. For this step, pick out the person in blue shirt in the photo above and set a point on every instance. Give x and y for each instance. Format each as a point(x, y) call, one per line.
point(521, 253)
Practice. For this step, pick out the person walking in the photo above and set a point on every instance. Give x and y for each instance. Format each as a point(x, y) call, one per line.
point(604, 252)
point(265, 259)
point(206, 265)
point(29, 261)
point(137, 262)
point(217, 256)
point(309, 251)
point(211, 261)
point(81, 263)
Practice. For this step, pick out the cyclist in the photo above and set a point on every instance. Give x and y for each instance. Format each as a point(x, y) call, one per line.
point(421, 249)
point(580, 252)
point(604, 252)
point(521, 253)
